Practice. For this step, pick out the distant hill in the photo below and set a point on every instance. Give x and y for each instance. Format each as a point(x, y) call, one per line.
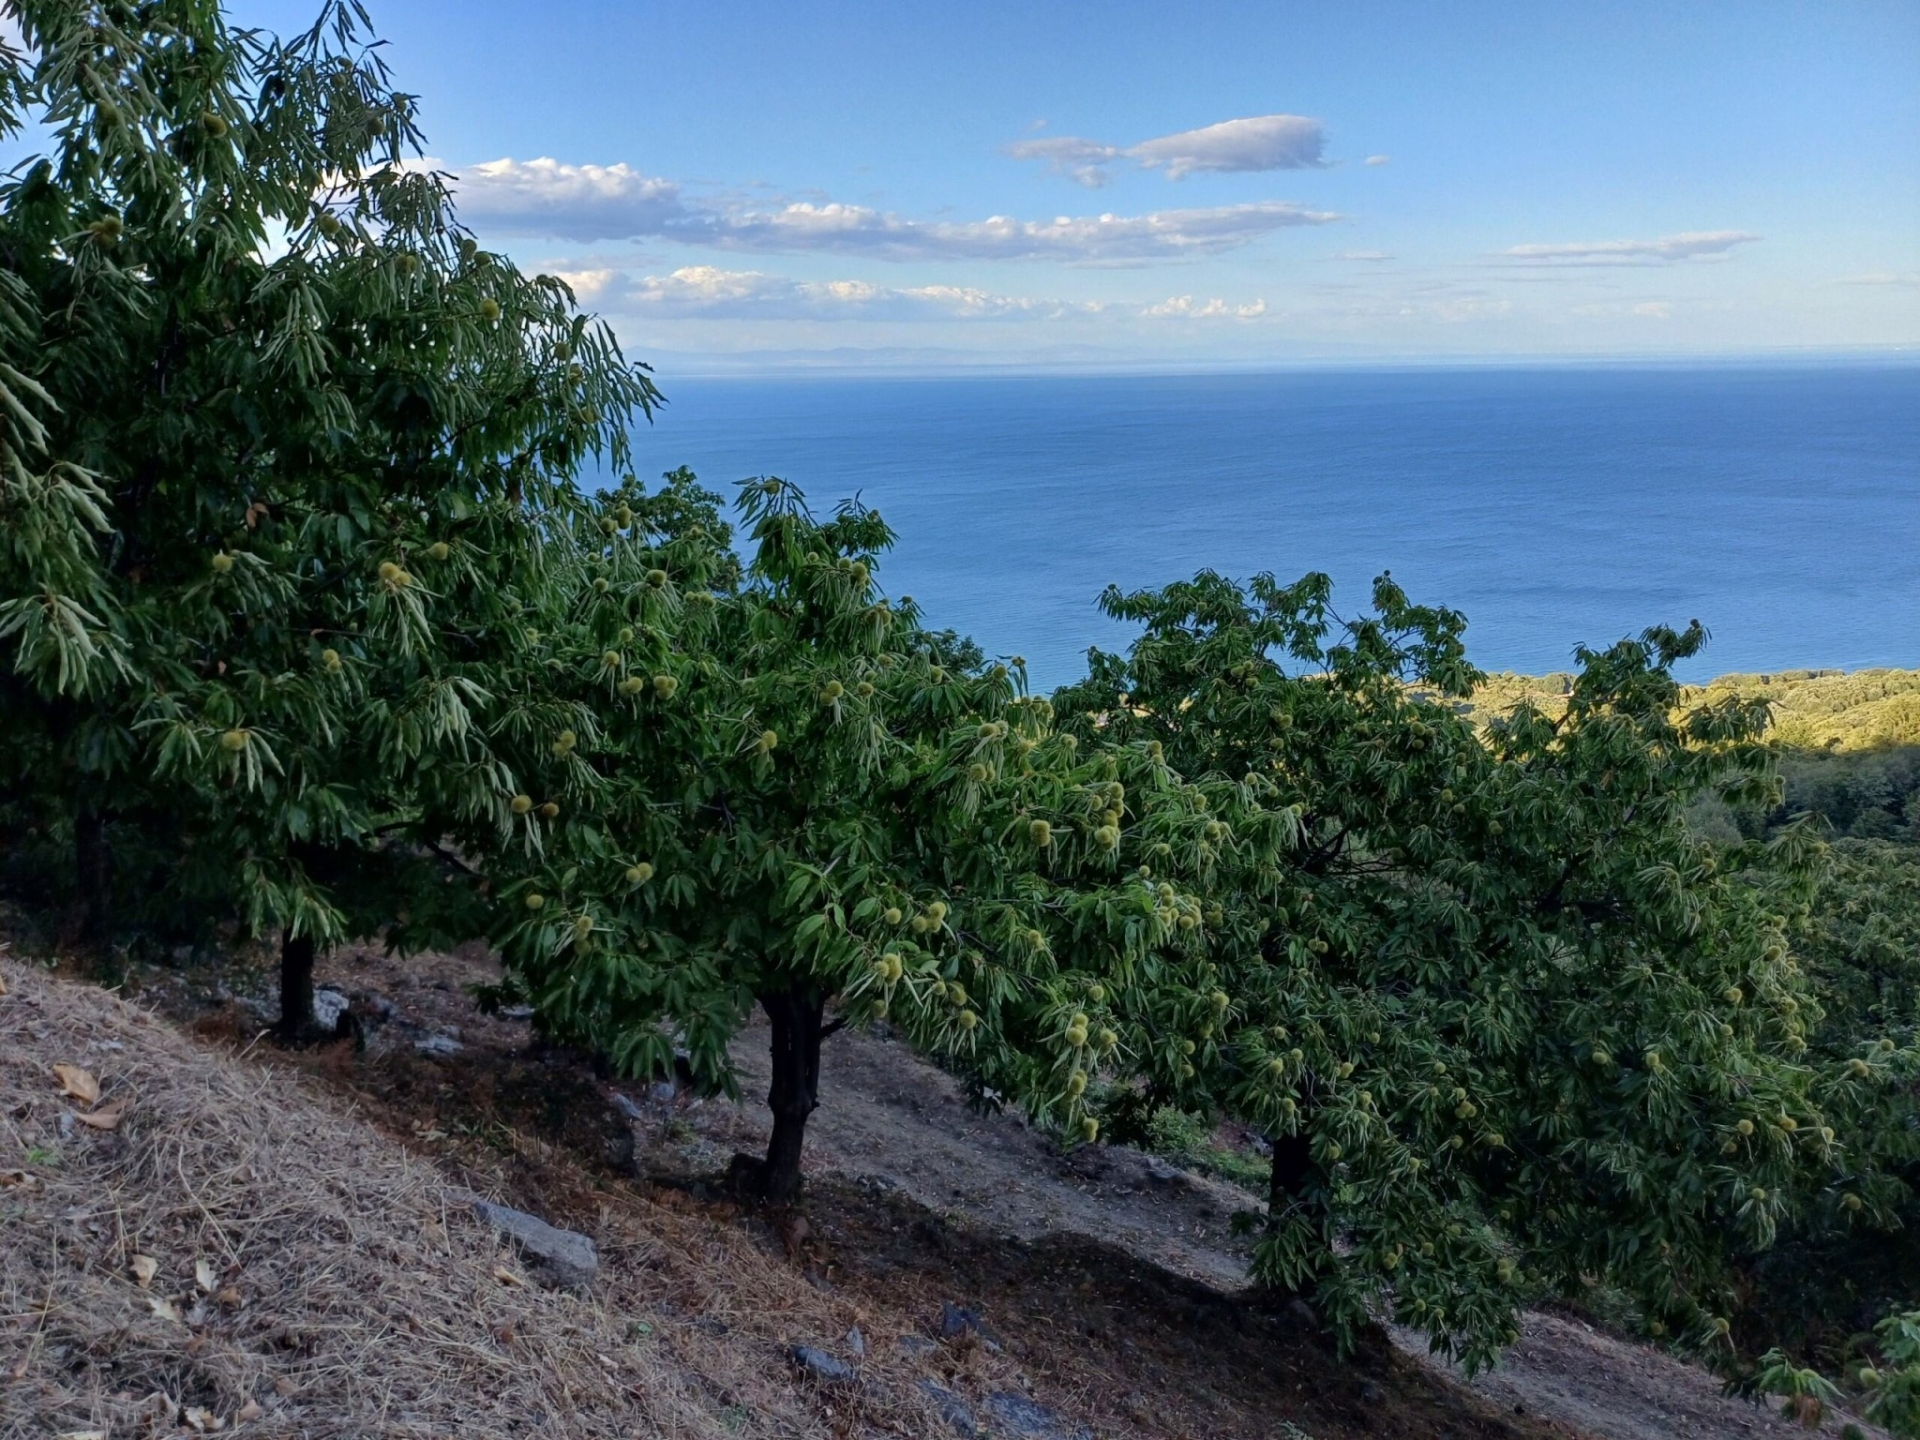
point(1836, 711)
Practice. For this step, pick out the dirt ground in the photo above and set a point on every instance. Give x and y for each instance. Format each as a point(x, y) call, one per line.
point(1106, 1286)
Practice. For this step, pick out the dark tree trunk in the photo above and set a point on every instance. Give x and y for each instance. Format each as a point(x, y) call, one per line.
point(1294, 1174)
point(297, 1020)
point(93, 869)
point(797, 1015)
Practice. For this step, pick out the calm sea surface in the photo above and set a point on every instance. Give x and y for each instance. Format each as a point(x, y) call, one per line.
point(1779, 506)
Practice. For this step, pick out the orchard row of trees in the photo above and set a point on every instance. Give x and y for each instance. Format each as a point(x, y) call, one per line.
point(308, 622)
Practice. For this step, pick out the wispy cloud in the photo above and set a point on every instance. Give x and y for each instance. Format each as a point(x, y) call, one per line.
point(1366, 256)
point(1253, 143)
point(1185, 307)
point(1879, 277)
point(1668, 250)
point(589, 203)
point(1629, 309)
point(711, 293)
point(1379, 159)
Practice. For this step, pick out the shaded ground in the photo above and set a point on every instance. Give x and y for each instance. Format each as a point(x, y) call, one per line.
point(1107, 1282)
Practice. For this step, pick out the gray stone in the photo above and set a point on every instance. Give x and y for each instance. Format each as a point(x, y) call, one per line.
point(1166, 1174)
point(627, 1108)
point(1030, 1419)
point(957, 1320)
point(822, 1366)
point(917, 1345)
point(329, 1008)
point(439, 1047)
point(857, 1343)
point(567, 1257)
point(952, 1408)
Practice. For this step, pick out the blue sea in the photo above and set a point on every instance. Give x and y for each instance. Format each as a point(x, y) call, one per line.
point(1554, 506)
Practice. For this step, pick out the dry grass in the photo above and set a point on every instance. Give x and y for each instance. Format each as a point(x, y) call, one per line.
point(341, 1290)
point(346, 1293)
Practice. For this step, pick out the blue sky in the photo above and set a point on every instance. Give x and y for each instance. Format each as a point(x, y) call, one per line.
point(753, 185)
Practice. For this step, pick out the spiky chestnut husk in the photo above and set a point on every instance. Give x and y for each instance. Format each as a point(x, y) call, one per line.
point(1106, 837)
point(665, 685)
point(632, 685)
point(978, 773)
point(1745, 1127)
point(439, 550)
point(1108, 1040)
point(1089, 1130)
point(1076, 1084)
point(214, 125)
point(582, 928)
point(641, 873)
point(957, 993)
point(657, 578)
point(234, 741)
point(966, 1019)
point(1041, 833)
point(892, 916)
point(222, 563)
point(521, 804)
point(564, 742)
point(550, 811)
point(1076, 1036)
point(1097, 993)
point(331, 659)
point(535, 901)
point(610, 660)
point(489, 309)
point(768, 740)
point(937, 912)
point(623, 517)
point(832, 691)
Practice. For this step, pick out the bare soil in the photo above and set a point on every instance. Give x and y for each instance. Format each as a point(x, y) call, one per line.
point(1106, 1286)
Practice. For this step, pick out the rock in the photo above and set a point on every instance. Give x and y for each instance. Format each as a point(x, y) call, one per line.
point(1030, 1419)
point(1371, 1393)
point(662, 1092)
point(857, 1343)
point(917, 1345)
point(957, 1320)
point(516, 1012)
point(1166, 1174)
point(439, 1047)
point(627, 1108)
point(567, 1257)
point(822, 1366)
point(329, 1008)
point(952, 1408)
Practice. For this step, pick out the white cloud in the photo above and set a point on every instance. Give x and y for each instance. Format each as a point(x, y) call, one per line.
point(1668, 250)
point(590, 203)
point(571, 202)
point(1379, 159)
point(1370, 256)
point(1184, 307)
point(1879, 277)
point(1084, 160)
point(1254, 143)
point(709, 292)
point(1632, 309)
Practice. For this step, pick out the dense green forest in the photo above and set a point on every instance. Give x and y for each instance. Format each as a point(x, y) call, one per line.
point(310, 633)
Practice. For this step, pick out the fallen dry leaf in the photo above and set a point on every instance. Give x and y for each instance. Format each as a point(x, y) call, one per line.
point(252, 1410)
point(204, 1275)
point(202, 1420)
point(81, 1435)
point(145, 1267)
point(231, 1297)
point(11, 1178)
point(77, 1082)
point(3, 984)
point(507, 1277)
point(283, 1387)
point(164, 1308)
point(108, 1117)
